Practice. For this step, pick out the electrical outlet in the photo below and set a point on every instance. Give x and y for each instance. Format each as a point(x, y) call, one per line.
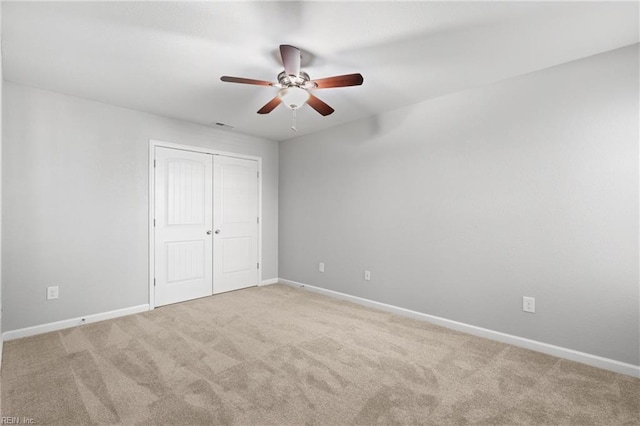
point(321, 267)
point(367, 275)
point(52, 292)
point(529, 304)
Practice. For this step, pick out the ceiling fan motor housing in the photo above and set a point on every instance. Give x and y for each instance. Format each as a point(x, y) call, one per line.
point(301, 80)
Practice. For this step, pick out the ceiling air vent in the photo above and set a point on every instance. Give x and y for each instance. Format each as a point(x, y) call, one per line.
point(223, 126)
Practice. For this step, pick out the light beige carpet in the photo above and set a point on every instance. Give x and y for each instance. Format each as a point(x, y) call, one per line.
point(279, 355)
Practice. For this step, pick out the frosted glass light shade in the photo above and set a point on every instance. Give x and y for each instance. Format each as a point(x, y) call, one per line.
point(293, 97)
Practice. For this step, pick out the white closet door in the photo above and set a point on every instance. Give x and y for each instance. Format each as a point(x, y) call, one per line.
point(235, 212)
point(183, 216)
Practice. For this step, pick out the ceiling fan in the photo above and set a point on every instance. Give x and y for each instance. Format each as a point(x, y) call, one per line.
point(294, 84)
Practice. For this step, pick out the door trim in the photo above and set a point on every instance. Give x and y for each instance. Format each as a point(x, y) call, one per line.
point(152, 184)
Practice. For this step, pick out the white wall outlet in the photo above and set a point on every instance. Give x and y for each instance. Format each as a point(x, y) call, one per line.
point(321, 267)
point(52, 292)
point(529, 304)
point(367, 275)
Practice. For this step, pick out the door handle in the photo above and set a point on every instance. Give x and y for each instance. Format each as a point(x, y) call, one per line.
point(208, 232)
point(217, 231)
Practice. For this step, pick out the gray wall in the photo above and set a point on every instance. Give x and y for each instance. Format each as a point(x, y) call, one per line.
point(461, 205)
point(1, 83)
point(75, 175)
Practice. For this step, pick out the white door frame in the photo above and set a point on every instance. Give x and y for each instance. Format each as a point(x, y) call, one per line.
point(152, 184)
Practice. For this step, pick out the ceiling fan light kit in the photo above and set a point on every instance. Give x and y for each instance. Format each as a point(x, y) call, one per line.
point(293, 97)
point(294, 85)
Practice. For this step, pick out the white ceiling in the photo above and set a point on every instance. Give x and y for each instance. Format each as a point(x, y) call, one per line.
point(167, 57)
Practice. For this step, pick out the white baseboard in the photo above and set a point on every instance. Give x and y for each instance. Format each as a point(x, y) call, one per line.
point(560, 352)
point(60, 325)
point(269, 282)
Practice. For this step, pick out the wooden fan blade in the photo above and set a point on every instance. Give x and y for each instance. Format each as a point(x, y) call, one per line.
point(290, 59)
point(319, 105)
point(245, 81)
point(270, 106)
point(339, 81)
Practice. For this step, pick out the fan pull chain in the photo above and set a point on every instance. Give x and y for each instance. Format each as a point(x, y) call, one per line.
point(293, 127)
